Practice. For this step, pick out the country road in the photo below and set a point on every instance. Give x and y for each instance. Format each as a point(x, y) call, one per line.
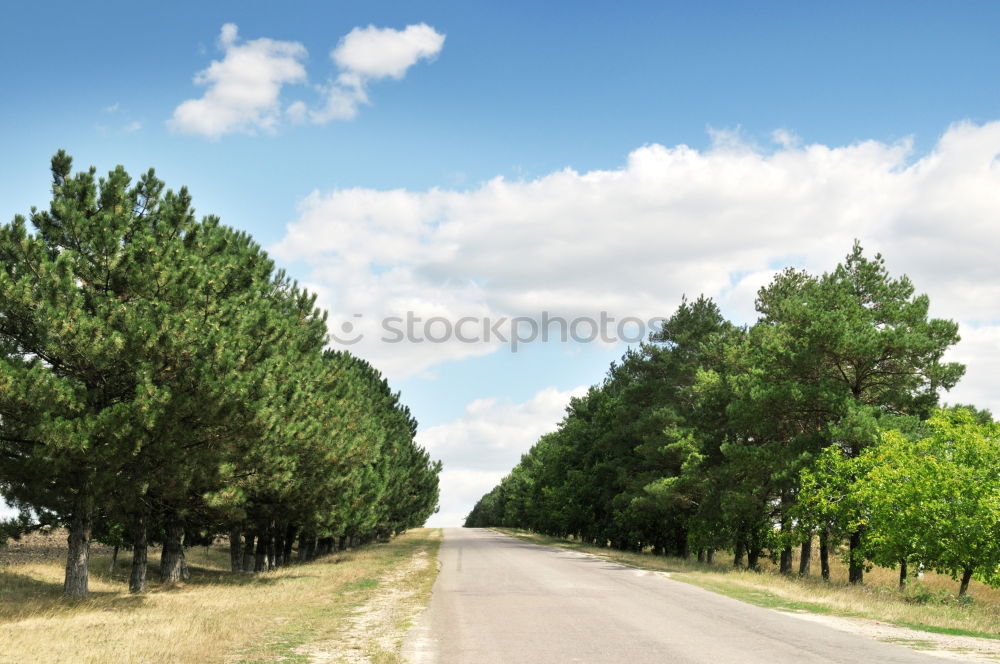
point(499, 599)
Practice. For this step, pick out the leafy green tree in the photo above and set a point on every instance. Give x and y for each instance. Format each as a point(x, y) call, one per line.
point(937, 498)
point(712, 436)
point(830, 499)
point(859, 346)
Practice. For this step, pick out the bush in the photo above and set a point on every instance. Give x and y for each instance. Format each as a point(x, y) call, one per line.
point(917, 593)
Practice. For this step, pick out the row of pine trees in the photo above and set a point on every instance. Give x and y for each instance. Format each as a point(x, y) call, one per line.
point(820, 423)
point(162, 383)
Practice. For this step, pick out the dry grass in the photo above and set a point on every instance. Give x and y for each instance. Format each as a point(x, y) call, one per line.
point(217, 617)
point(929, 604)
point(374, 632)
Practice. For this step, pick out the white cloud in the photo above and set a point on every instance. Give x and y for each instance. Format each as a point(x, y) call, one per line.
point(369, 54)
point(227, 36)
point(480, 447)
point(979, 350)
point(672, 220)
point(375, 53)
point(244, 88)
point(342, 100)
point(460, 489)
point(494, 433)
point(785, 138)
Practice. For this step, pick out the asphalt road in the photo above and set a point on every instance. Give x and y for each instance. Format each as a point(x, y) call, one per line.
point(499, 599)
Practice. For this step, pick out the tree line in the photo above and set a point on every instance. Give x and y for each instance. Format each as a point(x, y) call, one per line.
point(818, 423)
point(162, 382)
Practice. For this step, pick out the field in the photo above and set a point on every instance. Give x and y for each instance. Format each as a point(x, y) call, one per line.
point(929, 604)
point(352, 606)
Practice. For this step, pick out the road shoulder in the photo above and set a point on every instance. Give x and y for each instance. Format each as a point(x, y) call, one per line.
point(945, 645)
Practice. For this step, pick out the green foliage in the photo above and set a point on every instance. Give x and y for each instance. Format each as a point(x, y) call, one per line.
point(937, 498)
point(918, 593)
point(158, 375)
point(813, 420)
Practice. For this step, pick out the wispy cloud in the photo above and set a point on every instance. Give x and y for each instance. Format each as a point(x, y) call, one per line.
point(122, 119)
point(369, 54)
point(244, 89)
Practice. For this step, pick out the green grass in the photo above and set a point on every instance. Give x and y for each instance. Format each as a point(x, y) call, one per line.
point(950, 631)
point(760, 597)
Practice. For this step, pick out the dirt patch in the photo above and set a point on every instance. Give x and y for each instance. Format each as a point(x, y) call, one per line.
point(40, 547)
point(378, 625)
point(947, 646)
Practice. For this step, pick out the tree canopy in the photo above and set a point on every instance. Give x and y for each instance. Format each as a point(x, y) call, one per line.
point(157, 372)
point(821, 419)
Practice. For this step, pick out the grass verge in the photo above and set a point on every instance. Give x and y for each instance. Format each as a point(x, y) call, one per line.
point(927, 605)
point(299, 613)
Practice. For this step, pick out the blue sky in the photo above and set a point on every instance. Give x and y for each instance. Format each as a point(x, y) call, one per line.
point(859, 94)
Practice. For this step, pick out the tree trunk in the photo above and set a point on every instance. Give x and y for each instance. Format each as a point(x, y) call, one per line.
point(272, 549)
point(710, 558)
point(140, 548)
point(304, 546)
point(856, 569)
point(785, 564)
point(342, 543)
point(966, 578)
point(288, 544)
point(824, 553)
point(805, 556)
point(248, 552)
point(172, 554)
point(701, 555)
point(902, 573)
point(753, 558)
point(75, 583)
point(114, 561)
point(235, 552)
point(785, 557)
point(738, 555)
point(260, 553)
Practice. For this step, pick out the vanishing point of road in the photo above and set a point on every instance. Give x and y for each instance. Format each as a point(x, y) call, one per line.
point(498, 599)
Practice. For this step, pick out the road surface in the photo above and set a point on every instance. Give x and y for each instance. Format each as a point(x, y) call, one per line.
point(500, 599)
